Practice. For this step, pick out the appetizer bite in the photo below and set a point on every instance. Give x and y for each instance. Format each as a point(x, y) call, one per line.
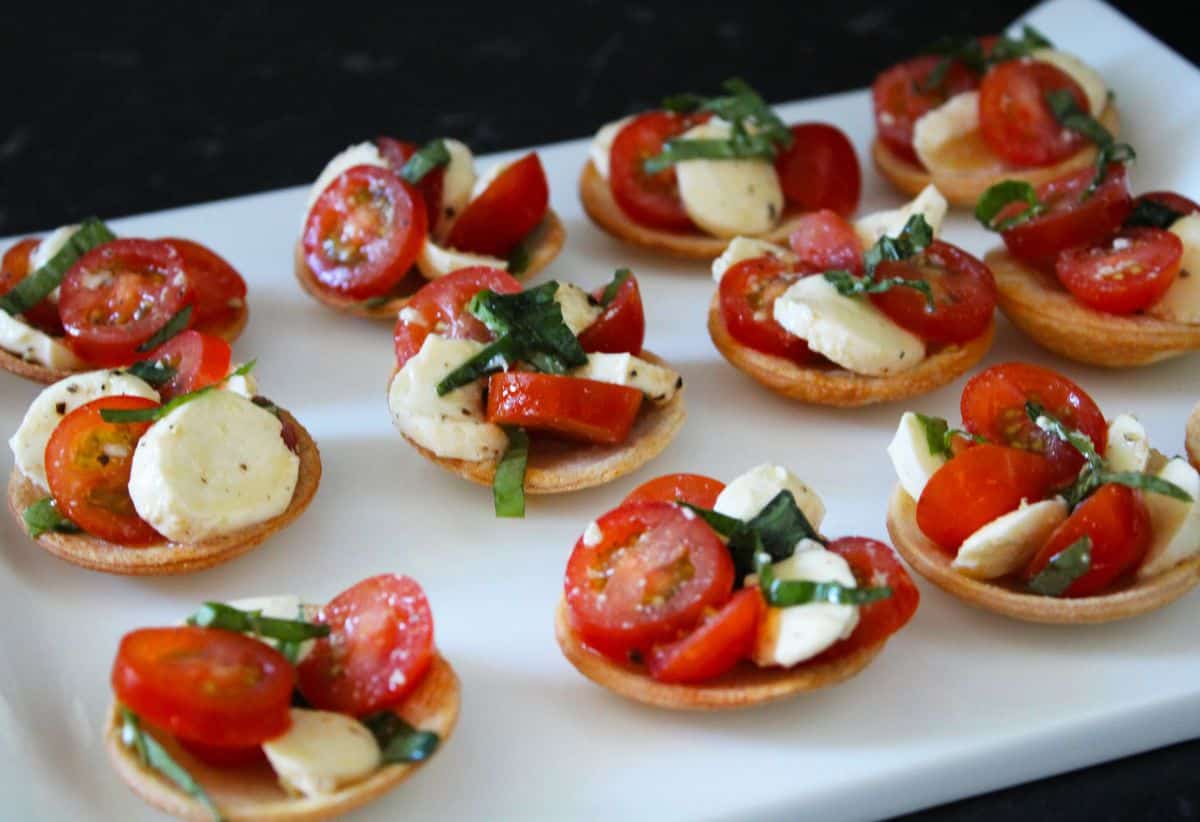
point(1193, 436)
point(695, 595)
point(172, 466)
point(826, 322)
point(268, 708)
point(1093, 274)
point(81, 299)
point(685, 178)
point(1039, 508)
point(541, 391)
point(385, 216)
point(977, 110)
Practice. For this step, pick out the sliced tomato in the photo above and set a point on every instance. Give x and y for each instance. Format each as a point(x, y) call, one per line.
point(652, 575)
point(1172, 200)
point(1118, 524)
point(578, 409)
point(1127, 273)
point(975, 487)
point(692, 488)
point(1070, 219)
point(651, 200)
point(1016, 121)
point(379, 648)
point(198, 359)
point(621, 327)
point(217, 288)
point(993, 407)
point(964, 294)
point(88, 462)
point(219, 757)
point(14, 268)
point(721, 640)
point(210, 687)
point(820, 170)
point(901, 96)
point(504, 214)
point(397, 153)
point(825, 241)
point(119, 295)
point(442, 305)
point(748, 292)
point(364, 232)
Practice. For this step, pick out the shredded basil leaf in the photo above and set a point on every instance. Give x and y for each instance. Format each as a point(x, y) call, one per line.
point(736, 147)
point(154, 756)
point(613, 288)
point(785, 593)
point(1067, 112)
point(914, 238)
point(430, 156)
point(228, 618)
point(937, 434)
point(171, 329)
point(518, 260)
point(155, 373)
point(1078, 440)
point(775, 531)
point(970, 52)
point(1064, 568)
point(37, 285)
point(850, 286)
point(121, 415)
point(1152, 214)
point(43, 516)
point(1144, 482)
point(399, 741)
point(376, 302)
point(508, 486)
point(1000, 196)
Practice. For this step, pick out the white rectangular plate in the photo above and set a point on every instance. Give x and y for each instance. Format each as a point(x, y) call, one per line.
point(961, 702)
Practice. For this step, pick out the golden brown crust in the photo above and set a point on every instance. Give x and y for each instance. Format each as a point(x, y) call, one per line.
point(598, 202)
point(550, 240)
point(962, 183)
point(253, 793)
point(837, 386)
point(172, 558)
point(745, 686)
point(1192, 437)
point(556, 466)
point(933, 563)
point(1043, 309)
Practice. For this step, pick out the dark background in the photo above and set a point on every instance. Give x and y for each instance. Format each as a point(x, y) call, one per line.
point(120, 108)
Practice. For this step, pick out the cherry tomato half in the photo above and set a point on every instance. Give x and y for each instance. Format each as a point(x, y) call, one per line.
point(1172, 200)
point(621, 327)
point(692, 488)
point(901, 97)
point(442, 304)
point(14, 268)
point(748, 292)
point(1128, 273)
point(505, 213)
point(964, 294)
point(198, 359)
point(719, 642)
point(1016, 121)
point(825, 241)
point(397, 153)
point(820, 170)
point(217, 288)
point(578, 409)
point(651, 200)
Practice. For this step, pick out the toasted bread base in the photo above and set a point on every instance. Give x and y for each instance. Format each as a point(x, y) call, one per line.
point(1192, 437)
point(838, 387)
point(933, 563)
point(253, 793)
point(745, 686)
point(1043, 309)
point(964, 186)
point(551, 236)
point(171, 558)
point(10, 362)
point(558, 466)
point(596, 196)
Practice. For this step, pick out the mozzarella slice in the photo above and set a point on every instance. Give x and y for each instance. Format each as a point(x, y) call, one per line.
point(1175, 524)
point(55, 402)
point(457, 182)
point(1127, 447)
point(601, 146)
point(929, 203)
point(911, 457)
point(279, 606)
point(658, 383)
point(32, 345)
point(850, 331)
point(321, 752)
point(954, 118)
point(741, 249)
point(435, 261)
point(728, 197)
point(452, 426)
point(745, 497)
point(1006, 544)
point(788, 636)
point(211, 467)
point(1181, 303)
point(360, 154)
point(578, 310)
point(51, 245)
point(1094, 88)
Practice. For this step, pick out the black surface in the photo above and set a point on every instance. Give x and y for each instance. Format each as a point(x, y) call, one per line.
point(122, 108)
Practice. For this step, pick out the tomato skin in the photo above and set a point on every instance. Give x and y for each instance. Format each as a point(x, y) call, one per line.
point(1118, 523)
point(379, 649)
point(1172, 200)
point(396, 153)
point(825, 241)
point(442, 304)
point(715, 646)
point(119, 295)
point(1070, 220)
point(652, 575)
point(218, 289)
point(578, 409)
point(88, 462)
point(993, 407)
point(621, 328)
point(506, 212)
point(1016, 121)
point(899, 101)
point(651, 200)
point(15, 267)
point(364, 232)
point(219, 757)
point(820, 170)
point(198, 359)
point(217, 688)
point(747, 296)
point(1128, 273)
point(975, 487)
point(696, 489)
point(964, 293)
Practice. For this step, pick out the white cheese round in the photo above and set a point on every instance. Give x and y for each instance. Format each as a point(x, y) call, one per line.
point(728, 197)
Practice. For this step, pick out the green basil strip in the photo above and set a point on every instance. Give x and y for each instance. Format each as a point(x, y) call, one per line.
point(154, 756)
point(430, 156)
point(613, 288)
point(1078, 440)
point(518, 260)
point(1065, 567)
point(228, 618)
point(1000, 196)
point(682, 150)
point(37, 285)
point(155, 373)
point(121, 415)
point(399, 741)
point(376, 302)
point(937, 434)
point(774, 531)
point(969, 51)
point(498, 356)
point(785, 593)
point(1065, 109)
point(508, 486)
point(172, 328)
point(914, 238)
point(1152, 214)
point(1144, 482)
point(850, 286)
point(43, 516)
